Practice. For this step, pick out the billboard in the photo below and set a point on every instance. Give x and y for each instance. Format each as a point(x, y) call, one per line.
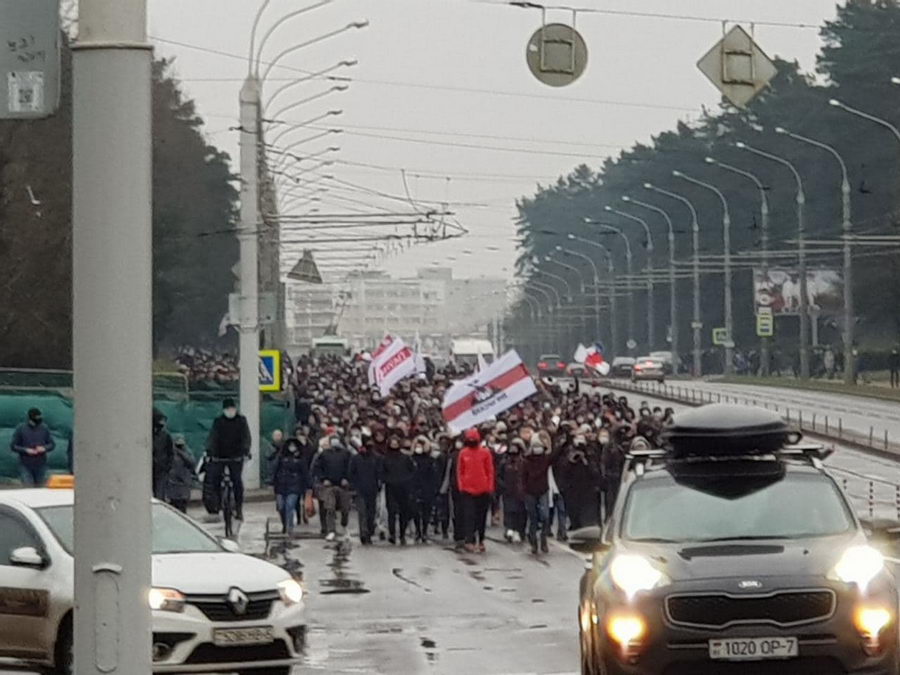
point(777, 291)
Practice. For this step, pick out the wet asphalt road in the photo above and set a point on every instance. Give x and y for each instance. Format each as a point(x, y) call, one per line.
point(424, 609)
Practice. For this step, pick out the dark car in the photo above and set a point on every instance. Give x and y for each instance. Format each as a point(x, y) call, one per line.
point(551, 365)
point(733, 551)
point(622, 366)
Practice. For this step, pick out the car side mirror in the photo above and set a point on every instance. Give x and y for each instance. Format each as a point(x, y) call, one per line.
point(230, 545)
point(28, 556)
point(587, 539)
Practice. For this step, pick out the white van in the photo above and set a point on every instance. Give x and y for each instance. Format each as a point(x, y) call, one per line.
point(466, 351)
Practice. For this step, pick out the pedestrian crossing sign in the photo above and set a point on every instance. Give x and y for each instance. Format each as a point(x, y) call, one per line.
point(269, 370)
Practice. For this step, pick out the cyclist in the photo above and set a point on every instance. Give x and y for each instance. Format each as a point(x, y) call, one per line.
point(229, 442)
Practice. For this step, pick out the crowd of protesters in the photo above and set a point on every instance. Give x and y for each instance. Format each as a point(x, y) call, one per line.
point(208, 368)
point(556, 458)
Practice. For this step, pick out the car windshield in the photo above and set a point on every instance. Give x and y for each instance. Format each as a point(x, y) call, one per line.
point(551, 357)
point(797, 505)
point(172, 532)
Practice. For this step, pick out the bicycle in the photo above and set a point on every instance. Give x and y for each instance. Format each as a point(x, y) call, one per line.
point(227, 501)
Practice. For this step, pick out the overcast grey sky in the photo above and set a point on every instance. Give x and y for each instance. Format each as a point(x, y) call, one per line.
point(451, 75)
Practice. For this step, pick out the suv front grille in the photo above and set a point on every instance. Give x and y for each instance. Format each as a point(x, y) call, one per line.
point(217, 608)
point(719, 610)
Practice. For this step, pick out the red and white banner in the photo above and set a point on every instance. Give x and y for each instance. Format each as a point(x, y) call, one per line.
point(379, 350)
point(394, 363)
point(592, 357)
point(487, 393)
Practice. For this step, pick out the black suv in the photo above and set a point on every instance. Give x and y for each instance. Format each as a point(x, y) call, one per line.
point(732, 551)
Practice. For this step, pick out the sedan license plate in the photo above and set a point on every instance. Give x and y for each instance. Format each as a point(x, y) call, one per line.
point(753, 649)
point(238, 637)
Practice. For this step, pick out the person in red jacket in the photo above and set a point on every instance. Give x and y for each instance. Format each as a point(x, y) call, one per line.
point(475, 477)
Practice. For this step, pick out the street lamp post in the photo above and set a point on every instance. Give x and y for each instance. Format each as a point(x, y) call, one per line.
point(673, 294)
point(581, 284)
point(764, 225)
point(726, 242)
point(596, 289)
point(847, 228)
point(628, 269)
point(613, 301)
point(651, 323)
point(553, 304)
point(801, 253)
point(696, 324)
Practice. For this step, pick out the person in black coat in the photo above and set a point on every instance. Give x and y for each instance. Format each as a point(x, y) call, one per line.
point(290, 476)
point(182, 475)
point(163, 453)
point(398, 476)
point(366, 478)
point(425, 485)
point(331, 475)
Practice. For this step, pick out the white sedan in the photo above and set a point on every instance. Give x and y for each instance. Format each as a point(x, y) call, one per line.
point(214, 609)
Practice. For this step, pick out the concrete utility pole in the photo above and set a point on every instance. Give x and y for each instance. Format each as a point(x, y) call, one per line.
point(112, 330)
point(248, 237)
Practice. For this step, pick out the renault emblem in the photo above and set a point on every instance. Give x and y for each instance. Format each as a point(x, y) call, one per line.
point(748, 584)
point(238, 601)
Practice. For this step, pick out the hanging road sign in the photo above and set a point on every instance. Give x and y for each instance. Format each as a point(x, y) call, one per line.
point(29, 58)
point(720, 337)
point(738, 67)
point(270, 370)
point(557, 54)
point(765, 325)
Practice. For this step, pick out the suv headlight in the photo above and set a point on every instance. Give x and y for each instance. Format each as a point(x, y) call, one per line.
point(165, 600)
point(634, 573)
point(291, 592)
point(858, 565)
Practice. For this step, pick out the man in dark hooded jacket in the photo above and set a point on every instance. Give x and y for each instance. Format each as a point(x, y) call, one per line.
point(365, 479)
point(163, 454)
point(32, 442)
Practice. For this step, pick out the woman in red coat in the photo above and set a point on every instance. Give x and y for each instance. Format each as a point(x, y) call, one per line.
point(475, 477)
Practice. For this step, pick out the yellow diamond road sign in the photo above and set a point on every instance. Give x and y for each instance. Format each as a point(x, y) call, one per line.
point(738, 67)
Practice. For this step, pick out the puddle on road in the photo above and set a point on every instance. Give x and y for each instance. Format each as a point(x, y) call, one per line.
point(398, 572)
point(342, 583)
point(429, 646)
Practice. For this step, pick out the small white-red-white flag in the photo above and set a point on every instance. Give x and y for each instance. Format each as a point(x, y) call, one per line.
point(489, 392)
point(396, 362)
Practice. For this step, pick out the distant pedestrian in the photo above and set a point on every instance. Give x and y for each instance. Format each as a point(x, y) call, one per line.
point(475, 474)
point(331, 475)
point(32, 442)
point(182, 475)
point(399, 470)
point(366, 479)
point(290, 478)
point(425, 485)
point(163, 451)
point(894, 365)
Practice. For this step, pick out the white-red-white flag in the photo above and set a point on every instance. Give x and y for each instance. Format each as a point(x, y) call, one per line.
point(486, 394)
point(376, 354)
point(396, 362)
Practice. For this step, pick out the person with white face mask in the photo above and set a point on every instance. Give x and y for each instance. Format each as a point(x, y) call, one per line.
point(228, 444)
point(537, 487)
point(425, 484)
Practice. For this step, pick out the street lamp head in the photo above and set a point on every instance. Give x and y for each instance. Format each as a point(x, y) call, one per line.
point(348, 63)
point(340, 87)
point(607, 208)
point(334, 148)
point(895, 80)
point(626, 198)
point(648, 186)
point(587, 220)
point(780, 130)
point(677, 173)
point(834, 102)
point(335, 131)
point(558, 248)
point(740, 145)
point(335, 112)
point(570, 236)
point(358, 24)
point(710, 160)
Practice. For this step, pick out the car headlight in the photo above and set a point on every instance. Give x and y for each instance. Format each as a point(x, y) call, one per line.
point(634, 573)
point(290, 591)
point(165, 600)
point(858, 565)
